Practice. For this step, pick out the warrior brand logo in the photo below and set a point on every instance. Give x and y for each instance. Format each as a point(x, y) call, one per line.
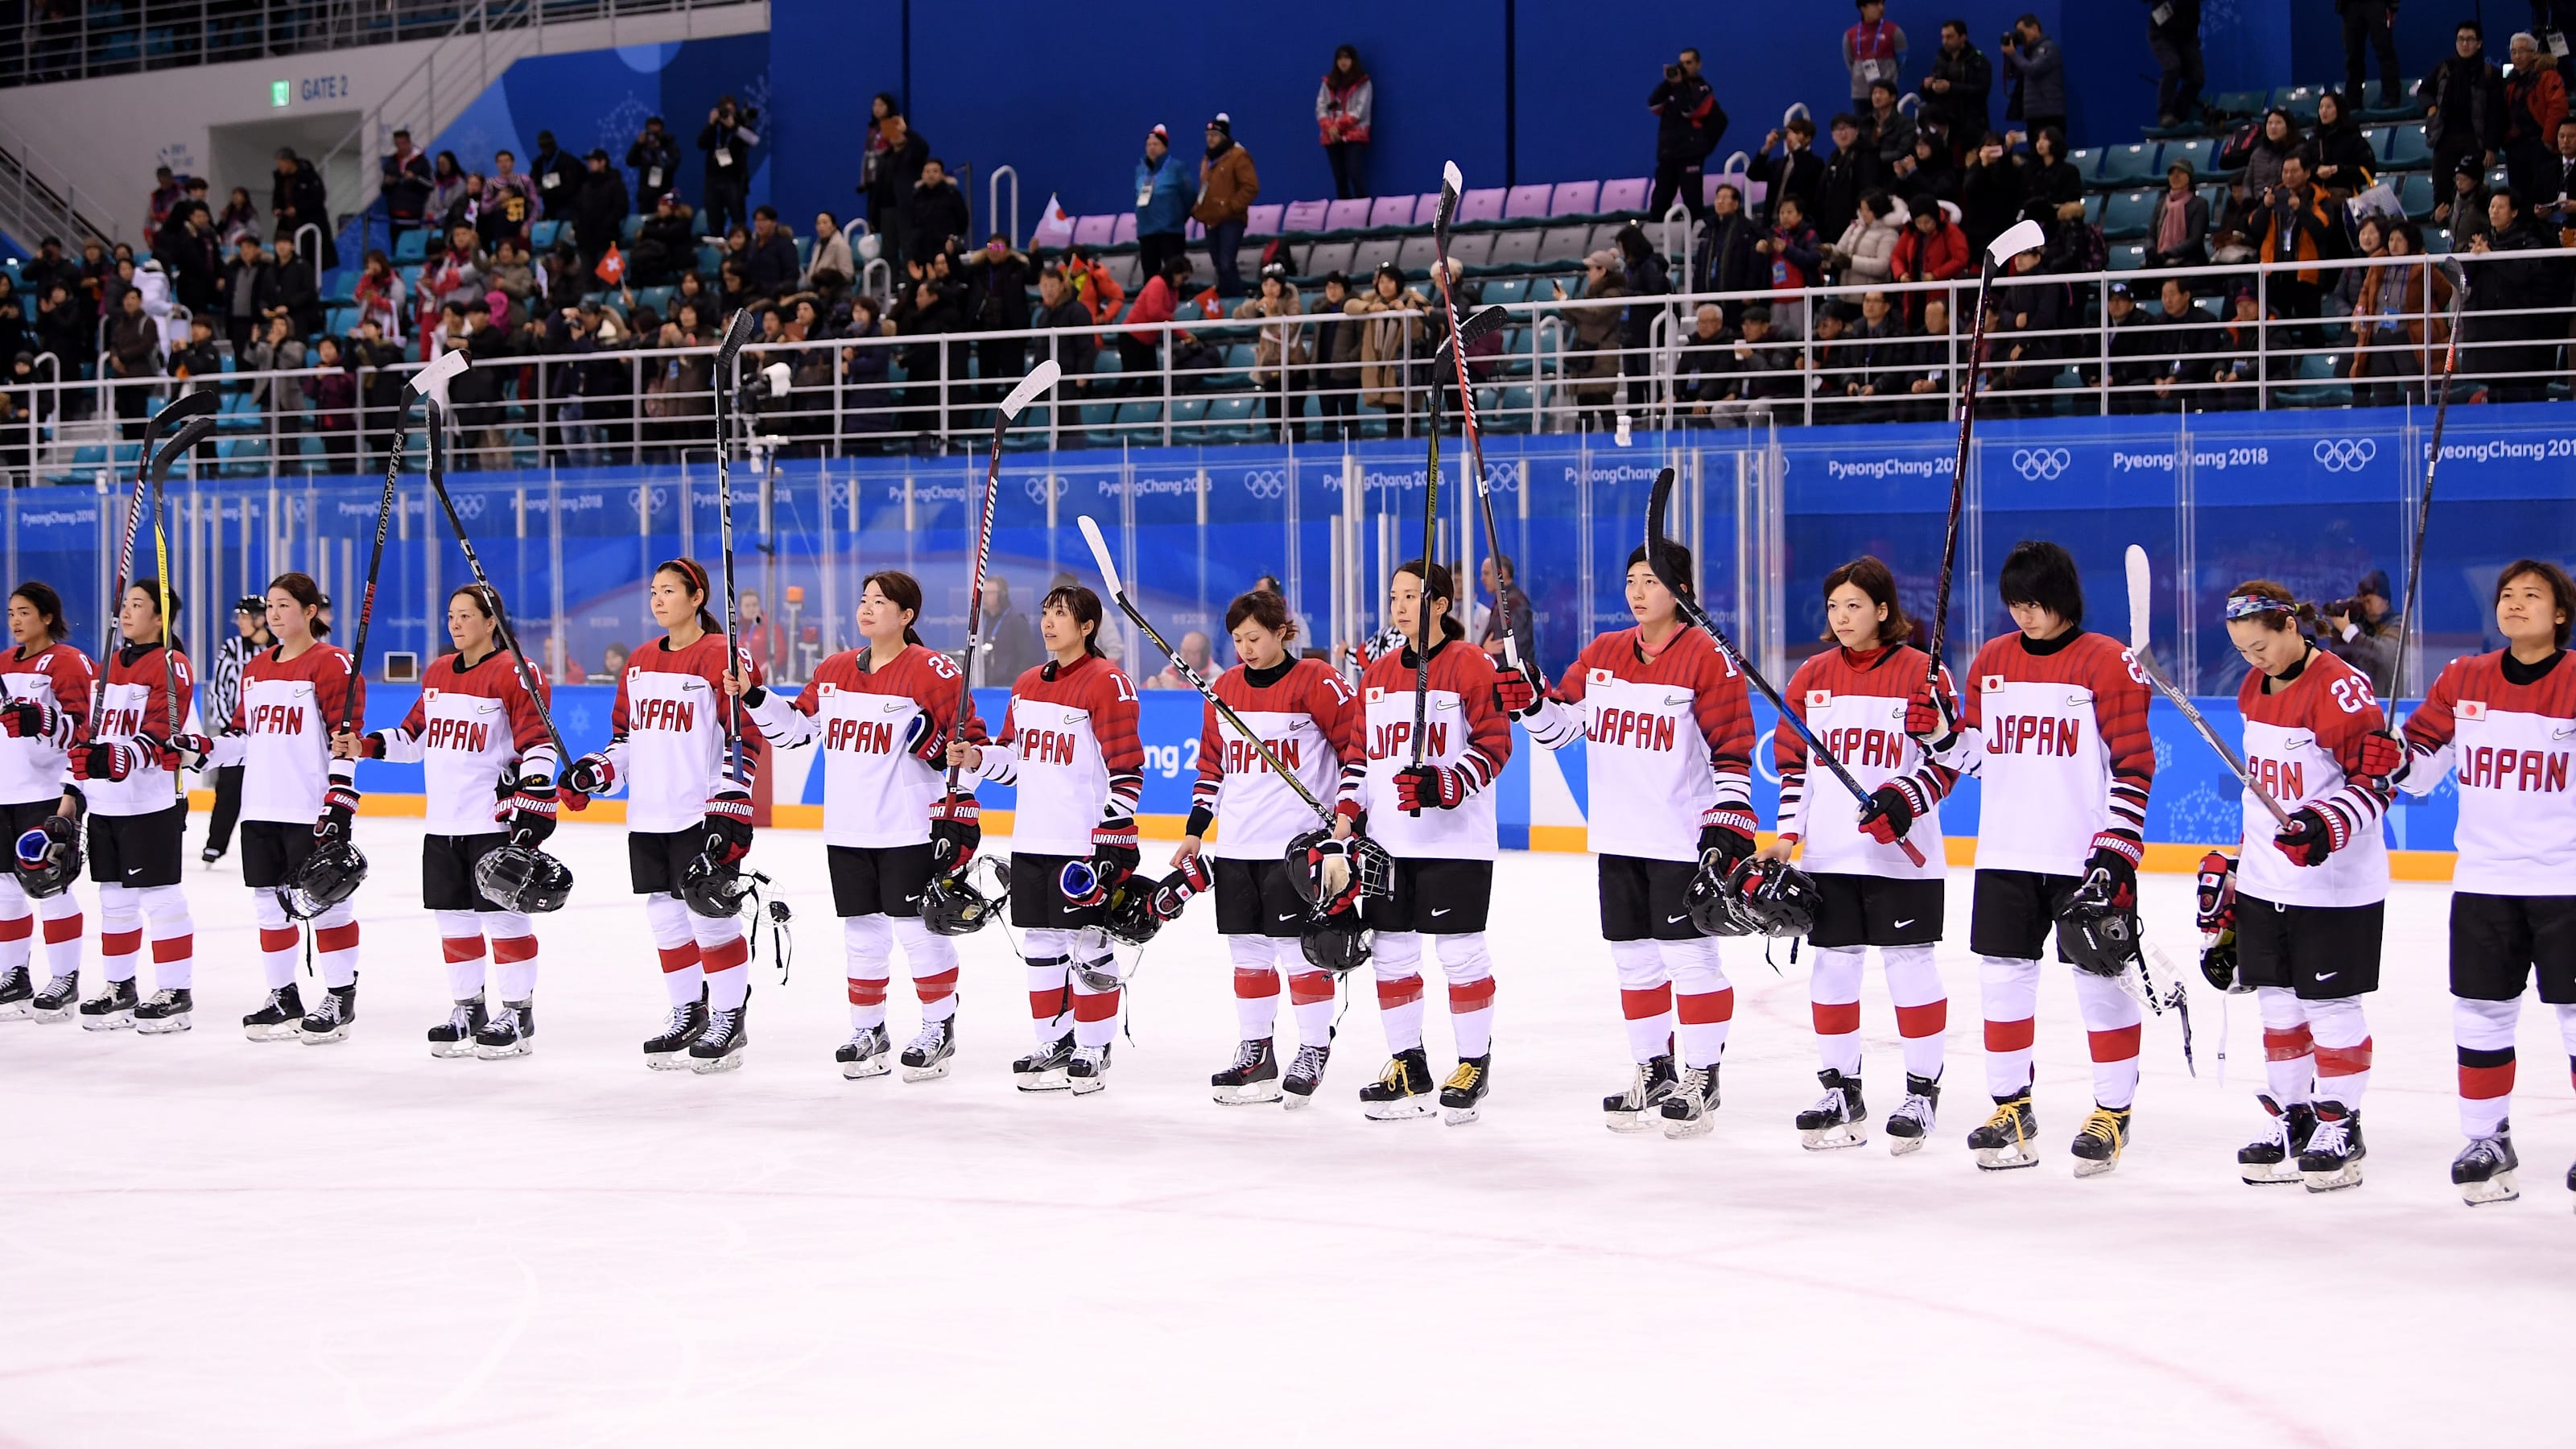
point(1242, 759)
point(1049, 747)
point(2344, 455)
point(2280, 779)
point(679, 716)
point(471, 736)
point(1631, 727)
point(2041, 465)
point(1390, 740)
point(866, 737)
point(1878, 749)
point(2530, 772)
point(2034, 734)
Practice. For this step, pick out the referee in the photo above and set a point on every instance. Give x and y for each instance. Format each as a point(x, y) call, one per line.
point(223, 700)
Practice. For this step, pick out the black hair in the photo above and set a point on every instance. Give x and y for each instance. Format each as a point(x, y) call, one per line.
point(901, 590)
point(694, 574)
point(41, 596)
point(1084, 606)
point(2042, 573)
point(1676, 554)
point(2472, 27)
point(1873, 578)
point(2561, 589)
point(301, 588)
point(1262, 607)
point(1440, 585)
point(486, 603)
point(150, 584)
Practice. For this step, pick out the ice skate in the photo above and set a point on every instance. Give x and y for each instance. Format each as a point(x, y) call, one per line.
point(1688, 1110)
point(865, 1054)
point(2483, 1172)
point(331, 1017)
point(2097, 1147)
point(1402, 1092)
point(2333, 1157)
point(15, 992)
point(511, 1032)
point(278, 1019)
point(1252, 1077)
point(2004, 1141)
point(164, 1012)
point(57, 1001)
point(1839, 1119)
point(454, 1037)
point(1043, 1070)
point(1911, 1123)
point(1462, 1097)
point(2274, 1158)
point(1650, 1085)
point(925, 1058)
point(1088, 1072)
point(668, 1052)
point(1305, 1074)
point(719, 1048)
point(110, 1010)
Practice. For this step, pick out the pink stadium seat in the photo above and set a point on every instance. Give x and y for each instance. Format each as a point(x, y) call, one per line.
point(1263, 220)
point(1426, 209)
point(1194, 231)
point(1391, 211)
point(1628, 195)
point(1348, 215)
point(1526, 202)
point(1095, 231)
point(1125, 232)
point(1484, 204)
point(1305, 216)
point(1574, 198)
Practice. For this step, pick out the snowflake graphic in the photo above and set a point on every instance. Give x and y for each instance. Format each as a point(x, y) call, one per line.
point(755, 94)
point(2204, 816)
point(2164, 754)
point(623, 123)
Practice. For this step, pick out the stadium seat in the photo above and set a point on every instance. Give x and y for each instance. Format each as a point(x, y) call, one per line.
point(1263, 220)
point(1515, 248)
point(2320, 383)
point(2129, 257)
point(2127, 214)
point(1621, 197)
point(1351, 215)
point(339, 288)
point(1417, 253)
point(1124, 233)
point(1482, 204)
point(1304, 216)
point(2403, 147)
point(543, 235)
point(2240, 105)
point(2299, 101)
point(1574, 198)
point(630, 228)
point(711, 259)
point(2126, 166)
point(1564, 243)
point(1516, 351)
point(1232, 419)
point(1188, 420)
point(411, 246)
point(2415, 193)
point(2093, 208)
point(2087, 161)
point(2200, 152)
point(2437, 240)
point(1394, 211)
point(1471, 249)
point(2408, 104)
point(1027, 433)
point(1527, 203)
point(1094, 231)
point(1373, 253)
point(1503, 291)
point(1140, 420)
point(1330, 256)
point(1426, 208)
point(657, 298)
point(340, 321)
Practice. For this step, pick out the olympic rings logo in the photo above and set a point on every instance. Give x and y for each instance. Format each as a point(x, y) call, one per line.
point(647, 501)
point(1265, 483)
point(2345, 455)
point(2041, 465)
point(469, 506)
point(1042, 486)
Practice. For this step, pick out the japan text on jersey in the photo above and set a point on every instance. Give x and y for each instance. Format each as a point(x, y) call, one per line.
point(2508, 742)
point(2303, 743)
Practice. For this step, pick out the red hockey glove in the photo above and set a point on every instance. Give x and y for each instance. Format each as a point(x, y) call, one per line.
point(2384, 757)
point(1430, 787)
point(2217, 894)
point(729, 826)
point(1929, 720)
point(1516, 693)
point(2311, 836)
point(104, 762)
point(1891, 811)
point(956, 829)
point(26, 719)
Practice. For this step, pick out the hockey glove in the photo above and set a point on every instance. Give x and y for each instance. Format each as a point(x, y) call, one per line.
point(339, 804)
point(728, 826)
point(1891, 811)
point(36, 848)
point(529, 812)
point(926, 744)
point(1517, 694)
point(2115, 855)
point(2384, 757)
point(1177, 888)
point(1430, 787)
point(1725, 837)
point(2311, 836)
point(1929, 720)
point(187, 752)
point(591, 775)
point(2217, 894)
point(1113, 859)
point(104, 762)
point(26, 719)
point(956, 829)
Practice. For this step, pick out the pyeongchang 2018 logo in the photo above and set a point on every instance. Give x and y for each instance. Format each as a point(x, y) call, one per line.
point(2344, 455)
point(1941, 467)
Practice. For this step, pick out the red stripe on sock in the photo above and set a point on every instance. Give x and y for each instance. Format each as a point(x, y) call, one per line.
point(1837, 1018)
point(679, 958)
point(867, 991)
point(1930, 1019)
point(277, 938)
point(120, 943)
point(2288, 1046)
point(1101, 1006)
point(2011, 1036)
point(462, 948)
point(1403, 991)
point(174, 948)
point(725, 955)
point(506, 949)
point(2343, 1061)
point(59, 929)
point(938, 987)
point(1645, 1005)
point(1251, 983)
point(1466, 996)
point(1306, 988)
point(1047, 1005)
point(2485, 1084)
point(2119, 1044)
point(336, 938)
point(17, 928)
point(1705, 1008)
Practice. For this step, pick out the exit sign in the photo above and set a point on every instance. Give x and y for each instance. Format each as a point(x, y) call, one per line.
point(280, 92)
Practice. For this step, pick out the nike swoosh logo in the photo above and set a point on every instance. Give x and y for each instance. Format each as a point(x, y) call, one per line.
point(1292, 915)
point(2328, 975)
point(1675, 920)
point(1444, 910)
point(1901, 925)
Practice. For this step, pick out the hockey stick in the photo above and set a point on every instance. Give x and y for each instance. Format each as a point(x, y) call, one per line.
point(2023, 236)
point(435, 414)
point(172, 416)
point(1659, 558)
point(728, 348)
point(196, 431)
point(1127, 606)
point(2459, 281)
point(430, 381)
point(2139, 584)
point(1482, 323)
point(1040, 380)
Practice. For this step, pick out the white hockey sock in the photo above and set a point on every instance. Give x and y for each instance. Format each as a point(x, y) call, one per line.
point(683, 978)
point(514, 954)
point(867, 944)
point(2343, 1049)
point(1398, 963)
point(2289, 1052)
point(120, 931)
point(174, 937)
point(1095, 1012)
point(460, 935)
point(1049, 956)
point(335, 944)
point(2111, 1025)
point(1310, 998)
point(278, 940)
point(724, 953)
point(1833, 994)
point(63, 925)
point(1645, 997)
point(2483, 1033)
point(2008, 994)
point(1256, 986)
point(1703, 1000)
point(932, 958)
point(1470, 970)
point(1922, 1006)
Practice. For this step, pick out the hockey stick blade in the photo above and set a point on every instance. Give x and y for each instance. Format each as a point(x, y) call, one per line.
point(431, 381)
point(181, 408)
point(2022, 236)
point(1482, 324)
point(196, 430)
point(1100, 555)
point(1041, 378)
point(736, 333)
point(2140, 583)
point(1450, 178)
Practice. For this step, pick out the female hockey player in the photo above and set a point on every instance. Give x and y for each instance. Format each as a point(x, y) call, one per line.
point(2499, 725)
point(479, 738)
point(1436, 819)
point(296, 799)
point(884, 714)
point(1670, 756)
point(2307, 901)
point(1068, 741)
point(689, 805)
point(44, 711)
point(138, 819)
point(1310, 719)
point(1872, 893)
point(2056, 728)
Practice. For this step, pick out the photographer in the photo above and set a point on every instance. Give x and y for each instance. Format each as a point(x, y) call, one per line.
point(1688, 123)
point(727, 140)
point(2362, 630)
point(654, 156)
point(2037, 69)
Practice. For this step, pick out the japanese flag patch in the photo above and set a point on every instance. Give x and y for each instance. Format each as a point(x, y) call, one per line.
point(1602, 676)
point(2472, 709)
point(1819, 698)
point(1376, 693)
point(1991, 684)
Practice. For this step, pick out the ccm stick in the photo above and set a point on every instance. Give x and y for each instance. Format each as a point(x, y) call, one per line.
point(1660, 560)
point(1041, 378)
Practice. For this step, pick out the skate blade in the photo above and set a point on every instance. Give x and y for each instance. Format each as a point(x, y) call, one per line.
point(861, 1071)
point(1832, 1139)
point(1459, 1116)
point(321, 1038)
point(40, 1014)
point(2349, 1175)
point(16, 1011)
point(709, 1066)
point(283, 1031)
point(1250, 1094)
point(1403, 1109)
point(1638, 1121)
point(677, 1061)
point(1899, 1146)
point(451, 1050)
point(2003, 1159)
point(517, 1048)
point(1296, 1101)
point(2499, 1188)
point(2277, 1174)
point(162, 1026)
point(1085, 1086)
point(930, 1073)
point(1051, 1081)
point(2087, 1167)
point(112, 1021)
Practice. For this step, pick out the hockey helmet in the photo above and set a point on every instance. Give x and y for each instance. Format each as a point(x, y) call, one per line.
point(1772, 897)
point(2097, 927)
point(330, 875)
point(1707, 900)
point(1333, 945)
point(1335, 875)
point(1130, 917)
point(522, 878)
point(953, 906)
point(2218, 963)
point(712, 890)
point(49, 857)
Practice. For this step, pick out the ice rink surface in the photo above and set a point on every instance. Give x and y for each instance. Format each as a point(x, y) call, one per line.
point(222, 1243)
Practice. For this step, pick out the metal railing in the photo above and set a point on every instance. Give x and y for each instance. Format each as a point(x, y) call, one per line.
point(39, 199)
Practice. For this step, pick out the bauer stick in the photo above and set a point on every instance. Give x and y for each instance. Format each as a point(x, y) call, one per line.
point(728, 348)
point(2023, 236)
point(2459, 281)
point(430, 381)
point(2139, 583)
point(435, 414)
point(1661, 562)
point(1041, 378)
point(172, 416)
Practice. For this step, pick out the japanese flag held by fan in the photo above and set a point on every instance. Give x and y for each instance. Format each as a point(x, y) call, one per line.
point(1055, 226)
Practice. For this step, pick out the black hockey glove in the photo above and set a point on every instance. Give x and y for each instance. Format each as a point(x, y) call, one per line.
point(728, 826)
point(529, 812)
point(2311, 836)
point(339, 805)
point(1725, 837)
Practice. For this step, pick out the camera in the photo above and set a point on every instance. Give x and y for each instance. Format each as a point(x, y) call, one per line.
point(2350, 608)
point(1672, 72)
